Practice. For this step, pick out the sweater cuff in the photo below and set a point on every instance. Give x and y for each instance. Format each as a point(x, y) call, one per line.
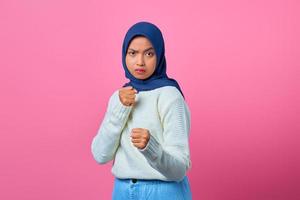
point(121, 111)
point(153, 149)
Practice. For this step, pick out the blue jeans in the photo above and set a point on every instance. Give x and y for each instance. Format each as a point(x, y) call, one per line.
point(129, 189)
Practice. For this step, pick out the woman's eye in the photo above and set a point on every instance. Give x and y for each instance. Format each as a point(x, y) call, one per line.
point(150, 53)
point(131, 53)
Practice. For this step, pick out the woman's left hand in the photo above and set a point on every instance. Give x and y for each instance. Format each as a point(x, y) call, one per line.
point(140, 137)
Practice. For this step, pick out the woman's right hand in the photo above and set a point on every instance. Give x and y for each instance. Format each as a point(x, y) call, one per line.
point(127, 95)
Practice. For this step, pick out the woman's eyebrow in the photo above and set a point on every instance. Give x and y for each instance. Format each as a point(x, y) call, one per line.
point(144, 50)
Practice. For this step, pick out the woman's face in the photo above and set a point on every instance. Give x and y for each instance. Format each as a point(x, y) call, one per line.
point(141, 58)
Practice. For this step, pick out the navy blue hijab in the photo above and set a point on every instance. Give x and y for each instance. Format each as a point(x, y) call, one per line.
point(159, 77)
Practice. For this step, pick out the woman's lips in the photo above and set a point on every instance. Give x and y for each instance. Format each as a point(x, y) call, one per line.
point(140, 71)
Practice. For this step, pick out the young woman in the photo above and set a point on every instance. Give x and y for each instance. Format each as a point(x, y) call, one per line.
point(146, 127)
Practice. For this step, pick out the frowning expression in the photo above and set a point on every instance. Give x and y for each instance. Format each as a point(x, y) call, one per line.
point(141, 58)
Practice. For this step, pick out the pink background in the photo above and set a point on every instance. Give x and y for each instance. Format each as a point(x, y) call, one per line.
point(237, 62)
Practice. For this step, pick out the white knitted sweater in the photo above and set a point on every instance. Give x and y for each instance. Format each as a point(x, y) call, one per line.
point(164, 112)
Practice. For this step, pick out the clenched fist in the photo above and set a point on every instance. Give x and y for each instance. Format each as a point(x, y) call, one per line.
point(140, 137)
point(127, 95)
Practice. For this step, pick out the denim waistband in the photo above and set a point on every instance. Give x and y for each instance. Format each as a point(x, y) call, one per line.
point(144, 181)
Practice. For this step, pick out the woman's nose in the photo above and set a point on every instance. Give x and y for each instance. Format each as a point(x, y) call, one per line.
point(140, 61)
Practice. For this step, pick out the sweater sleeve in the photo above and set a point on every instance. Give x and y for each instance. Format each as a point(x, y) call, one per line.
point(106, 141)
point(172, 157)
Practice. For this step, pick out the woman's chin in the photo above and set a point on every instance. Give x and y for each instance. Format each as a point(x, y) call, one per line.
point(140, 76)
